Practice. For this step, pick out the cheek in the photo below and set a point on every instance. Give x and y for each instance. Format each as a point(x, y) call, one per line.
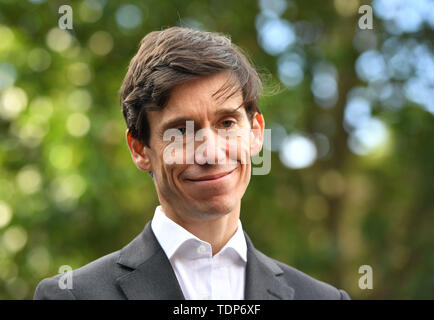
point(243, 147)
point(159, 166)
point(244, 157)
point(236, 146)
point(171, 162)
point(167, 172)
point(173, 153)
point(172, 175)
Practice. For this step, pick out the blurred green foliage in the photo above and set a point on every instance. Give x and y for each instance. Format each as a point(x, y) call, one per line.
point(69, 192)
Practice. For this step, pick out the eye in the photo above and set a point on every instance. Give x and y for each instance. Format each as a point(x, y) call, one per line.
point(227, 123)
point(182, 130)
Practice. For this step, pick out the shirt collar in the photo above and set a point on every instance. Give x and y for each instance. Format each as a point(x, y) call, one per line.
point(172, 236)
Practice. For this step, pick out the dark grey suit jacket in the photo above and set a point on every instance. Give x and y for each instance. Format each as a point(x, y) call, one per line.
point(141, 270)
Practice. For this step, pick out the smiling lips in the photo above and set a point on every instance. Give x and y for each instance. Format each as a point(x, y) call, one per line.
point(212, 177)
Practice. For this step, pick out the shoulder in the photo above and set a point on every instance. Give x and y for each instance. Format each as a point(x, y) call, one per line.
point(306, 287)
point(95, 280)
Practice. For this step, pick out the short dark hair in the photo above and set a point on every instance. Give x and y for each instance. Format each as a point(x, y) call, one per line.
point(175, 55)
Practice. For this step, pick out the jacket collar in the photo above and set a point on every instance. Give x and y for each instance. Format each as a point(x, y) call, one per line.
point(152, 277)
point(264, 278)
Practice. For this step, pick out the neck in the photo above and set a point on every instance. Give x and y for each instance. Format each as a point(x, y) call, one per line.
point(216, 232)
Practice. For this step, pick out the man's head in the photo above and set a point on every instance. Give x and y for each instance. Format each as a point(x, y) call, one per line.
point(184, 74)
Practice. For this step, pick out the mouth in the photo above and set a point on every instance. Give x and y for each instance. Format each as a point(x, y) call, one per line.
point(213, 177)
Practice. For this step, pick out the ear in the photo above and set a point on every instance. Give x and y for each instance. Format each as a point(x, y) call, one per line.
point(139, 153)
point(257, 134)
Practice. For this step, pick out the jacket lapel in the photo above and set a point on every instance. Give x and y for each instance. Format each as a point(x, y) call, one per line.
point(263, 277)
point(152, 276)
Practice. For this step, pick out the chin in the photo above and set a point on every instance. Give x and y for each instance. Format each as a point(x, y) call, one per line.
point(215, 208)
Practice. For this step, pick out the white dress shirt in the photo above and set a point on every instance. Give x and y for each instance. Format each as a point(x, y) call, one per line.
point(201, 275)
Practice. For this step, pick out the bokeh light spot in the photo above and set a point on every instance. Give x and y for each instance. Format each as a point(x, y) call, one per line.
point(8, 75)
point(29, 179)
point(14, 238)
point(79, 100)
point(5, 214)
point(79, 74)
point(13, 101)
point(61, 157)
point(59, 40)
point(90, 10)
point(39, 59)
point(6, 36)
point(276, 35)
point(101, 43)
point(78, 124)
point(297, 152)
point(129, 16)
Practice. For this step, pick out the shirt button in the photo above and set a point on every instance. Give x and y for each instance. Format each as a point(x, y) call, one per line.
point(201, 249)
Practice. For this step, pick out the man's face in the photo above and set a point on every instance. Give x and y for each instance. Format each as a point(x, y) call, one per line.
point(196, 189)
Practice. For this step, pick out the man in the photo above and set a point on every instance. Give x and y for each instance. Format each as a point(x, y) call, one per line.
point(194, 87)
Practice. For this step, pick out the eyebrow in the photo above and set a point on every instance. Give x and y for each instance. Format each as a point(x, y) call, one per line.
point(181, 120)
point(228, 110)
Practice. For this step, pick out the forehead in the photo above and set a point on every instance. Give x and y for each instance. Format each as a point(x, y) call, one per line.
point(200, 97)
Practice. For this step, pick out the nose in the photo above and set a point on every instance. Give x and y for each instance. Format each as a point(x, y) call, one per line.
point(210, 147)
